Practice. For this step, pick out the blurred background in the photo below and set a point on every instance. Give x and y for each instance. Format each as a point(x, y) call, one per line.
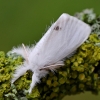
point(25, 21)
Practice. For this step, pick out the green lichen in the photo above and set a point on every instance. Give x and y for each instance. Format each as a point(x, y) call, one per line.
point(80, 73)
point(8, 91)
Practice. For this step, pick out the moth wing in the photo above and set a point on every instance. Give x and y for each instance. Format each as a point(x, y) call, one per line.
point(62, 38)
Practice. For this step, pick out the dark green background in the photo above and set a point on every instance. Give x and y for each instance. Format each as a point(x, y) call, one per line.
point(25, 21)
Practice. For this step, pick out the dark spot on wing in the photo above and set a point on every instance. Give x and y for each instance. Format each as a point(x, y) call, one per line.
point(57, 28)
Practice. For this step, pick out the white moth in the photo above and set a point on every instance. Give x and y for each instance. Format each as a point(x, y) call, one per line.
point(61, 40)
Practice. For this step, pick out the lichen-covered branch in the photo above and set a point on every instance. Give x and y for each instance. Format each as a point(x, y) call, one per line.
point(81, 72)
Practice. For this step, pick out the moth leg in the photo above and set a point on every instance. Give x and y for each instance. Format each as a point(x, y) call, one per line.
point(53, 66)
point(35, 79)
point(19, 72)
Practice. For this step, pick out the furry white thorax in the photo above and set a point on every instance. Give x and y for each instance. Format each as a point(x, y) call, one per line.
point(60, 41)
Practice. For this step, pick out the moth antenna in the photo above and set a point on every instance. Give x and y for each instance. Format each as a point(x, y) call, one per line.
point(26, 53)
